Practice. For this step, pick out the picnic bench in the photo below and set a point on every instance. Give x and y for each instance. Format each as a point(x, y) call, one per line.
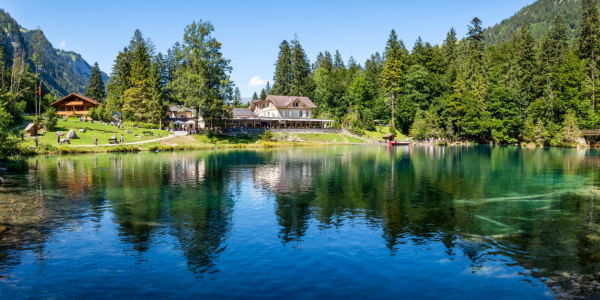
point(112, 141)
point(148, 133)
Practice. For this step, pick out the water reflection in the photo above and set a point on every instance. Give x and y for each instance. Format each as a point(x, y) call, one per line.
point(486, 206)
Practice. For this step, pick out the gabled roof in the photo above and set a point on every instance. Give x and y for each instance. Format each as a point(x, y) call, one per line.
point(30, 126)
point(243, 113)
point(177, 108)
point(281, 101)
point(75, 96)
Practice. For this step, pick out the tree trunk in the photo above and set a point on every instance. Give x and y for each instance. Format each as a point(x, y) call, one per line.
point(393, 109)
point(593, 83)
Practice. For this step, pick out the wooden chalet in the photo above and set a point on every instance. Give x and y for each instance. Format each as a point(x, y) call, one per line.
point(74, 103)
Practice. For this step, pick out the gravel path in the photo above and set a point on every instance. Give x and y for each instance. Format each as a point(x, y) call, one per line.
point(134, 143)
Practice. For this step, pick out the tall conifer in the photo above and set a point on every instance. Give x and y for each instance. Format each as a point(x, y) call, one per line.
point(95, 88)
point(589, 41)
point(283, 70)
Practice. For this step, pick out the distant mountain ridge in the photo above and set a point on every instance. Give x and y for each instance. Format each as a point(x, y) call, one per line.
point(538, 17)
point(62, 72)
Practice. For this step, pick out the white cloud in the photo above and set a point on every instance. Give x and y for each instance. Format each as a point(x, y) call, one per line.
point(256, 81)
point(63, 44)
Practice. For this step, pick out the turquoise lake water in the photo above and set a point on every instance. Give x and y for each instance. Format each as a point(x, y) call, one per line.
point(339, 222)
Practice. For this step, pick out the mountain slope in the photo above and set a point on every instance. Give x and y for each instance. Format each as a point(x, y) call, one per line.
point(62, 72)
point(538, 17)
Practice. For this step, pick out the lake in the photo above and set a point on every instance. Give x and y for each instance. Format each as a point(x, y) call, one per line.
point(334, 222)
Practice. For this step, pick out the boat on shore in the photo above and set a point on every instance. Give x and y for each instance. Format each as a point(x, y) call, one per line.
point(398, 143)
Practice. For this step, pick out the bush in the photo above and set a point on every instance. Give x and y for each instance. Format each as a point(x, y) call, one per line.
point(50, 119)
point(266, 135)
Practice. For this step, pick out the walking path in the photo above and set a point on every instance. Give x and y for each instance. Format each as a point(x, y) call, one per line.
point(125, 144)
point(358, 137)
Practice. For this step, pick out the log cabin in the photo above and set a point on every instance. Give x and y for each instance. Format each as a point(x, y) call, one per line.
point(74, 103)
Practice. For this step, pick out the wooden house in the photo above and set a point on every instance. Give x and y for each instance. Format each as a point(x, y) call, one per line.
point(74, 103)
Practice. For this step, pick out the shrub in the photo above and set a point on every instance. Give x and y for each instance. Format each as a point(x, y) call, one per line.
point(266, 135)
point(50, 119)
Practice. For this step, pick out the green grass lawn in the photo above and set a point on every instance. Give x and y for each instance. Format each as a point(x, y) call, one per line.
point(103, 132)
point(375, 135)
point(328, 137)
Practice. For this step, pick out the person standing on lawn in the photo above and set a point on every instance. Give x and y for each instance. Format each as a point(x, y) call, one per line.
point(95, 141)
point(22, 139)
point(122, 138)
point(57, 140)
point(36, 141)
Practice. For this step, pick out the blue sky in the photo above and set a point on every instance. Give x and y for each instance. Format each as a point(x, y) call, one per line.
point(251, 31)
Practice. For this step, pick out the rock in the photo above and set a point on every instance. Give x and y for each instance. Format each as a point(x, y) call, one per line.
point(128, 131)
point(42, 132)
point(65, 140)
point(71, 134)
point(2, 181)
point(30, 147)
point(59, 133)
point(175, 145)
point(82, 130)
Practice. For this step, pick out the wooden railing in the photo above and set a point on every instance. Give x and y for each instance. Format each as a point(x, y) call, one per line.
point(591, 132)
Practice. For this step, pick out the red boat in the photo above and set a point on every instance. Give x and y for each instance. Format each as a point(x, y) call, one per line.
point(398, 143)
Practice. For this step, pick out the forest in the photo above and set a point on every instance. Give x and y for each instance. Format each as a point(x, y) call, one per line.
point(527, 87)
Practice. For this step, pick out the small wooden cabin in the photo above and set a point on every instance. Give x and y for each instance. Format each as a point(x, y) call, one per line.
point(74, 103)
point(389, 137)
point(32, 129)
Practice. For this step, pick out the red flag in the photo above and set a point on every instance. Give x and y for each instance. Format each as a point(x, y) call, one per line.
point(40, 88)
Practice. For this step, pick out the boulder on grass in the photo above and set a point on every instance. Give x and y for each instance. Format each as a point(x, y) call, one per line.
point(128, 131)
point(71, 134)
point(82, 130)
point(65, 141)
point(59, 133)
point(175, 145)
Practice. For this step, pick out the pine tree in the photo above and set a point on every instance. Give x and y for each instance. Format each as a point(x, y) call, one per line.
point(540, 133)
point(589, 41)
point(338, 63)
point(283, 71)
point(267, 88)
point(254, 96)
point(95, 88)
point(529, 131)
point(300, 70)
point(392, 71)
point(449, 47)
point(527, 67)
point(119, 82)
point(138, 96)
point(263, 94)
point(237, 98)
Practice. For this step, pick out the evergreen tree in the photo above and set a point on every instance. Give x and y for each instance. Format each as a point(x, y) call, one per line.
point(202, 78)
point(138, 96)
point(263, 94)
point(529, 131)
point(283, 71)
point(300, 70)
point(254, 96)
point(95, 88)
point(540, 133)
point(119, 82)
point(267, 88)
point(237, 98)
point(589, 41)
point(527, 68)
point(392, 71)
point(338, 64)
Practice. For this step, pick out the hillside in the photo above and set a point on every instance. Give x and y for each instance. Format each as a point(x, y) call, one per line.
point(538, 17)
point(63, 72)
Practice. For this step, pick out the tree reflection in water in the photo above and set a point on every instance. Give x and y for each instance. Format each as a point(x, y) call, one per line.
point(533, 206)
